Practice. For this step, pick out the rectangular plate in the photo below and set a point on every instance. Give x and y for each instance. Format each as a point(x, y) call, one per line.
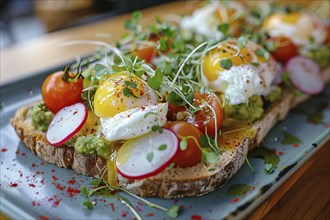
point(31, 188)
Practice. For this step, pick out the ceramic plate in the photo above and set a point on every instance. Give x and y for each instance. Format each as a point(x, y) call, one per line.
point(33, 189)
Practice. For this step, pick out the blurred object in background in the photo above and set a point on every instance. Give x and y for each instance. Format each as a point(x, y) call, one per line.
point(17, 22)
point(56, 13)
point(22, 20)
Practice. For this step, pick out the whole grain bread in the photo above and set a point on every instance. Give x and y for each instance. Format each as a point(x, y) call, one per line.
point(173, 182)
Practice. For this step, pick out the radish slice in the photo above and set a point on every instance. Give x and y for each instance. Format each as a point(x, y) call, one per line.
point(305, 74)
point(278, 78)
point(147, 155)
point(66, 123)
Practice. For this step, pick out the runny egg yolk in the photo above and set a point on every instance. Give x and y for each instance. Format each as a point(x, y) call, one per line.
point(120, 92)
point(291, 18)
point(228, 50)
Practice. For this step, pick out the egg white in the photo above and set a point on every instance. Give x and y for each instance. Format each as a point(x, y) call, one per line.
point(134, 122)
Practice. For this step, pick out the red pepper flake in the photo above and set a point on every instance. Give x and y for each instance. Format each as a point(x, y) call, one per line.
point(23, 154)
point(124, 214)
point(235, 200)
point(53, 171)
point(43, 217)
point(72, 191)
point(280, 153)
point(196, 217)
point(56, 203)
point(58, 186)
point(33, 203)
point(150, 214)
point(4, 149)
point(33, 165)
point(42, 163)
point(17, 152)
point(112, 207)
point(296, 145)
point(13, 185)
point(32, 185)
point(72, 181)
point(54, 178)
point(42, 181)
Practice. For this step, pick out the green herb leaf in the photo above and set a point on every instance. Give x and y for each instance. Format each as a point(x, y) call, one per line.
point(96, 182)
point(130, 25)
point(150, 156)
point(204, 141)
point(211, 156)
point(262, 52)
point(162, 147)
point(173, 212)
point(226, 64)
point(157, 128)
point(183, 144)
point(255, 64)
point(286, 78)
point(88, 204)
point(155, 81)
point(162, 44)
point(127, 92)
point(137, 15)
point(130, 84)
point(239, 190)
point(223, 28)
point(242, 41)
point(269, 168)
point(290, 139)
point(84, 191)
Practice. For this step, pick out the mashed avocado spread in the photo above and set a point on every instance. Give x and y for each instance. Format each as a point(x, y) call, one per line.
point(41, 117)
point(254, 109)
point(91, 144)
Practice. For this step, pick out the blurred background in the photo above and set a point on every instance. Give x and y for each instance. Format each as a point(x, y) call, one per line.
point(21, 20)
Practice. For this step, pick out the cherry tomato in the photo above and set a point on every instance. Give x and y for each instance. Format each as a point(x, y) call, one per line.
point(173, 111)
point(285, 49)
point(145, 53)
point(327, 40)
point(205, 120)
point(192, 155)
point(57, 93)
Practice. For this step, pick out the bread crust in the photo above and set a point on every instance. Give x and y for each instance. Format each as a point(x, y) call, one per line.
point(173, 182)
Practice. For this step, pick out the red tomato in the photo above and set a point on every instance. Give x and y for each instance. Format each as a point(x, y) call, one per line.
point(192, 155)
point(204, 119)
point(57, 93)
point(145, 53)
point(173, 111)
point(327, 40)
point(285, 49)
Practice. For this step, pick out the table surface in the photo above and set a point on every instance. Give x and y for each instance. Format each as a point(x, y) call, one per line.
point(298, 198)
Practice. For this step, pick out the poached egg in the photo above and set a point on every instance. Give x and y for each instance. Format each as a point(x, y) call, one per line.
point(250, 74)
point(301, 28)
point(127, 107)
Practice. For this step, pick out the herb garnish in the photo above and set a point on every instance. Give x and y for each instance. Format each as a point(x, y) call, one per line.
point(157, 128)
point(226, 64)
point(115, 191)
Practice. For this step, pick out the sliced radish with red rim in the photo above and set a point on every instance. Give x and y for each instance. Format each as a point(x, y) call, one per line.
point(66, 123)
point(147, 155)
point(305, 74)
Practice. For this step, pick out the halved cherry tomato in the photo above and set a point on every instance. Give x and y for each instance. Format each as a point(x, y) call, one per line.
point(57, 93)
point(173, 111)
point(207, 120)
point(285, 49)
point(192, 155)
point(145, 53)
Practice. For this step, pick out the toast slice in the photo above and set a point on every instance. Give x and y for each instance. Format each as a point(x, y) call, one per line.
point(173, 182)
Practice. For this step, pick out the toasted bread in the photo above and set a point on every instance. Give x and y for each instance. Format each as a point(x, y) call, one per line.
point(173, 182)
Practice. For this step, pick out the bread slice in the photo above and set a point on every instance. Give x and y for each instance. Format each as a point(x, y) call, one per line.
point(173, 182)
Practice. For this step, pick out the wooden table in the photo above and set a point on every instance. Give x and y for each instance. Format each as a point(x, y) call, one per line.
point(305, 195)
